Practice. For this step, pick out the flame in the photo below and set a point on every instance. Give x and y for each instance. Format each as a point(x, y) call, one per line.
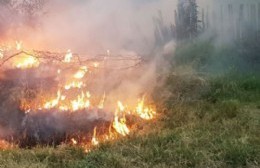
point(87, 150)
point(65, 104)
point(68, 56)
point(94, 140)
point(53, 103)
point(74, 142)
point(120, 125)
point(102, 101)
point(81, 73)
point(74, 84)
point(88, 94)
point(64, 108)
point(63, 97)
point(26, 62)
point(120, 106)
point(95, 64)
point(4, 145)
point(18, 45)
point(80, 103)
point(1, 53)
point(144, 112)
point(80, 100)
point(110, 135)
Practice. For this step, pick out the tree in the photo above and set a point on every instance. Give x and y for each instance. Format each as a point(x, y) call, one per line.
point(186, 19)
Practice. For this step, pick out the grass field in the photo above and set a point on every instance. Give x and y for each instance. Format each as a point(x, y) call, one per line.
point(203, 121)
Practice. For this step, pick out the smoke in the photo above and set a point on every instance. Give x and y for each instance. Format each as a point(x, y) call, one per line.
point(87, 26)
point(121, 26)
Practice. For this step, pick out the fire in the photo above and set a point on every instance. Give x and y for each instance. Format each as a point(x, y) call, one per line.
point(4, 145)
point(74, 84)
point(120, 125)
point(110, 135)
point(88, 94)
point(53, 103)
point(87, 150)
point(94, 140)
point(102, 101)
point(80, 103)
point(74, 142)
point(18, 45)
point(26, 62)
point(68, 56)
point(95, 64)
point(121, 106)
point(81, 73)
point(63, 108)
point(144, 112)
point(63, 103)
point(78, 99)
point(63, 97)
point(1, 53)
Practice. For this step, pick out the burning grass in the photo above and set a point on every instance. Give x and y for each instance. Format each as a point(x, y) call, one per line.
point(59, 102)
point(201, 121)
point(188, 133)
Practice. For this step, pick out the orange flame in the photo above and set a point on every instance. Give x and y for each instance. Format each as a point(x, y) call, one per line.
point(74, 84)
point(81, 73)
point(26, 62)
point(144, 112)
point(1, 53)
point(18, 45)
point(102, 101)
point(94, 140)
point(68, 56)
point(121, 106)
point(120, 125)
point(53, 103)
point(95, 64)
point(80, 103)
point(74, 142)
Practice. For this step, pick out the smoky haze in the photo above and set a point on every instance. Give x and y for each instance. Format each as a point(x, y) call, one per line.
point(118, 25)
point(87, 26)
